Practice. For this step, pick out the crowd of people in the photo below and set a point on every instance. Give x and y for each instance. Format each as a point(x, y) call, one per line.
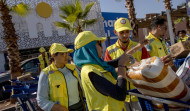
point(93, 83)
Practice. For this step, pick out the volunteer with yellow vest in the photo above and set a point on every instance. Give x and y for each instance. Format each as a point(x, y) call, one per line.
point(43, 59)
point(105, 90)
point(182, 36)
point(157, 46)
point(122, 30)
point(59, 85)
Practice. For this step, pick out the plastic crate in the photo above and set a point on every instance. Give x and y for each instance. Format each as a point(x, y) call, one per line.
point(25, 92)
point(178, 62)
point(146, 101)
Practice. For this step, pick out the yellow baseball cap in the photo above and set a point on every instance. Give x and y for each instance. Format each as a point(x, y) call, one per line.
point(86, 37)
point(58, 47)
point(122, 24)
point(42, 49)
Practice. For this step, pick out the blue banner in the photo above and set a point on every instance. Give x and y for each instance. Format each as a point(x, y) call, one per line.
point(109, 20)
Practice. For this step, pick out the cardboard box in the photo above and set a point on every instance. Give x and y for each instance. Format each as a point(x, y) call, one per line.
point(180, 49)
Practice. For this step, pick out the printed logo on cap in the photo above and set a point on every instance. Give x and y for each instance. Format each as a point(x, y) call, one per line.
point(123, 21)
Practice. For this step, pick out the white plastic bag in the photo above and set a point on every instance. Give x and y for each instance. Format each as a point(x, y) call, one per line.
point(184, 71)
point(153, 78)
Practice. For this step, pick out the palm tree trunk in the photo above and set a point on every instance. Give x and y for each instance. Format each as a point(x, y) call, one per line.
point(132, 18)
point(79, 28)
point(167, 4)
point(10, 39)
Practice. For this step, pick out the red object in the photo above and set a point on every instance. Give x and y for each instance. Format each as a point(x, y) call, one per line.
point(145, 54)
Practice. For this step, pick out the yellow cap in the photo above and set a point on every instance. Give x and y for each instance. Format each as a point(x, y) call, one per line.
point(86, 37)
point(122, 24)
point(42, 49)
point(57, 47)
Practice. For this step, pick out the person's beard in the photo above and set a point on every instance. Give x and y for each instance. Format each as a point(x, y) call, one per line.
point(124, 41)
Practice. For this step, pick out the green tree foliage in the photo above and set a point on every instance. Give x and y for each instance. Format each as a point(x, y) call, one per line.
point(21, 9)
point(75, 17)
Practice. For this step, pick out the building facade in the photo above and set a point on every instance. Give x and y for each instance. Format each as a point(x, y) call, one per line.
point(38, 30)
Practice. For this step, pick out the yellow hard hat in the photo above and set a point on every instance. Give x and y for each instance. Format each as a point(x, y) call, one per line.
point(122, 24)
point(86, 37)
point(42, 49)
point(58, 47)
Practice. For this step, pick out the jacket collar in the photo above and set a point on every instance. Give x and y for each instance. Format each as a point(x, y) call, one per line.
point(152, 36)
point(54, 68)
point(117, 43)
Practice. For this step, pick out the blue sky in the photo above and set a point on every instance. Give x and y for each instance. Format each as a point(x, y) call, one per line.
point(142, 7)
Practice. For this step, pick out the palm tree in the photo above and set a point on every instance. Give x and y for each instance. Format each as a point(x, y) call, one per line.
point(10, 37)
point(74, 17)
point(132, 18)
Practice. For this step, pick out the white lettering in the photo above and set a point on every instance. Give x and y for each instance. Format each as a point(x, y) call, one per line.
point(110, 23)
point(105, 23)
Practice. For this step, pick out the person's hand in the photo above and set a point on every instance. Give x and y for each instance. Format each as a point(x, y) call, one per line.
point(122, 64)
point(167, 60)
point(57, 107)
point(137, 47)
point(124, 59)
point(144, 42)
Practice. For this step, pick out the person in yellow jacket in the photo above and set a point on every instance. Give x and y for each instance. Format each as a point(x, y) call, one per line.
point(182, 36)
point(43, 59)
point(157, 46)
point(105, 90)
point(122, 30)
point(59, 87)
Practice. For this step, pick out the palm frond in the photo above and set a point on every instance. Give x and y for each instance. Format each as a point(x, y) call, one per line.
point(88, 22)
point(68, 9)
point(74, 16)
point(71, 18)
point(63, 17)
point(21, 9)
point(87, 9)
point(62, 25)
point(79, 10)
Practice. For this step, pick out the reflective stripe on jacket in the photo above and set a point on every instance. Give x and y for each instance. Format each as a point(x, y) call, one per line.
point(157, 48)
point(116, 51)
point(95, 100)
point(58, 86)
point(42, 63)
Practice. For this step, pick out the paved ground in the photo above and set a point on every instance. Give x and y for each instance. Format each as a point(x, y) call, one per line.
point(5, 105)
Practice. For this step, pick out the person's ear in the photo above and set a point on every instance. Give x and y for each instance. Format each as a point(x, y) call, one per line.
point(115, 32)
point(159, 27)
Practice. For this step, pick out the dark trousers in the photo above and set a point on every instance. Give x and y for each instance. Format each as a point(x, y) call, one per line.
point(77, 107)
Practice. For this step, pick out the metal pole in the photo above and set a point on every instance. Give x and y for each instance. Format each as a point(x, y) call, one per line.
point(170, 27)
